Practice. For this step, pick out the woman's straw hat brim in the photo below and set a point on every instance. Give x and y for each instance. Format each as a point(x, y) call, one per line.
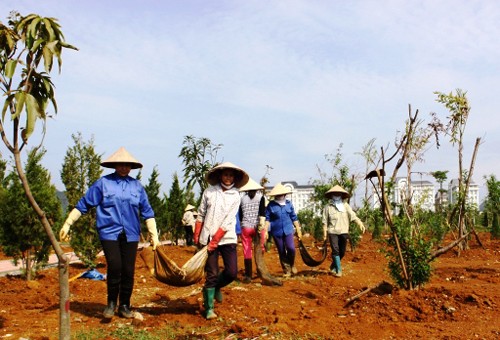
point(121, 156)
point(280, 189)
point(213, 176)
point(251, 185)
point(189, 207)
point(337, 189)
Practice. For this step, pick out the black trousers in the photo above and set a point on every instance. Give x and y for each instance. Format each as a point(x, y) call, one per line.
point(120, 258)
point(189, 235)
point(338, 243)
point(228, 254)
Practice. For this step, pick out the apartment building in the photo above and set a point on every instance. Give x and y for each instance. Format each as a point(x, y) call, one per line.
point(422, 193)
point(472, 194)
point(425, 194)
point(300, 195)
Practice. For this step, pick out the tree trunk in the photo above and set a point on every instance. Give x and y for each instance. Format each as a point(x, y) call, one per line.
point(463, 195)
point(28, 265)
point(443, 250)
point(64, 319)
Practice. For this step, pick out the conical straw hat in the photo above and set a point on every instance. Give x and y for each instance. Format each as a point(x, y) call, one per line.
point(279, 189)
point(251, 185)
point(213, 176)
point(121, 156)
point(337, 189)
point(189, 207)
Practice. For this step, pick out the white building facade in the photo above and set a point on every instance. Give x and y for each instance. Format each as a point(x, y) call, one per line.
point(300, 195)
point(472, 194)
point(421, 193)
point(425, 195)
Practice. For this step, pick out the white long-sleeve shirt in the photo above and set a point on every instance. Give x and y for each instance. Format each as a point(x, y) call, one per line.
point(218, 209)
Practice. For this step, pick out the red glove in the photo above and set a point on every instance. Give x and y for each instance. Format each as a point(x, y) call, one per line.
point(197, 231)
point(263, 239)
point(214, 242)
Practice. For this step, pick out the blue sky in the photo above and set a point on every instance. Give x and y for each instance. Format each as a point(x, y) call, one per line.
point(279, 83)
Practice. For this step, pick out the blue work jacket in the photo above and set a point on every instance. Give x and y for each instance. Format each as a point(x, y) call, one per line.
point(120, 202)
point(281, 218)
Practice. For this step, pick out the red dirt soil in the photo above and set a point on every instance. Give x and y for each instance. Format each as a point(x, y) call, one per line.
point(462, 301)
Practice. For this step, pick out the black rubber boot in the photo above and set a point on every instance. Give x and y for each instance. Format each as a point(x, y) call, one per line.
point(109, 311)
point(248, 271)
point(291, 260)
point(124, 312)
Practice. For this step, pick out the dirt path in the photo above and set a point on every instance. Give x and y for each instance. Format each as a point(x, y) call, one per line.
point(462, 301)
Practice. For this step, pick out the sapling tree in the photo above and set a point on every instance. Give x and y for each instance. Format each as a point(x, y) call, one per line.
point(28, 47)
point(407, 245)
point(459, 109)
point(198, 155)
point(492, 204)
point(23, 237)
point(372, 159)
point(81, 168)
point(157, 202)
point(440, 177)
point(176, 202)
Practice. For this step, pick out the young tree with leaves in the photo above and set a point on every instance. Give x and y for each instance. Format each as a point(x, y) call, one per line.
point(23, 236)
point(440, 177)
point(28, 43)
point(492, 204)
point(80, 169)
point(340, 174)
point(372, 160)
point(459, 108)
point(157, 203)
point(176, 202)
point(198, 156)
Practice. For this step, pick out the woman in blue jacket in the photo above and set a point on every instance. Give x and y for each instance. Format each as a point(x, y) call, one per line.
point(120, 202)
point(281, 223)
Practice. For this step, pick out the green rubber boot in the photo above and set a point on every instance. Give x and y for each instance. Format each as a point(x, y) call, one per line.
point(208, 303)
point(338, 268)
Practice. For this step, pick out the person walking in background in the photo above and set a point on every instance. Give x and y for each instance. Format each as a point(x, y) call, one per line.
point(188, 221)
point(282, 223)
point(337, 216)
point(252, 215)
point(120, 201)
point(216, 228)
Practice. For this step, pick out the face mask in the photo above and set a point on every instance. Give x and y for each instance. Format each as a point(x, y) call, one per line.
point(281, 200)
point(337, 201)
point(227, 187)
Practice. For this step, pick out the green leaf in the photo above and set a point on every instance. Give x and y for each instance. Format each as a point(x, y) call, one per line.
point(36, 44)
point(48, 27)
point(11, 40)
point(47, 58)
point(20, 100)
point(33, 112)
point(52, 46)
point(66, 45)
point(10, 68)
point(6, 105)
point(54, 103)
point(21, 26)
point(33, 27)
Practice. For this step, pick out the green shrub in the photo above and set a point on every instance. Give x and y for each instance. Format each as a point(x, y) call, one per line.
point(416, 252)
